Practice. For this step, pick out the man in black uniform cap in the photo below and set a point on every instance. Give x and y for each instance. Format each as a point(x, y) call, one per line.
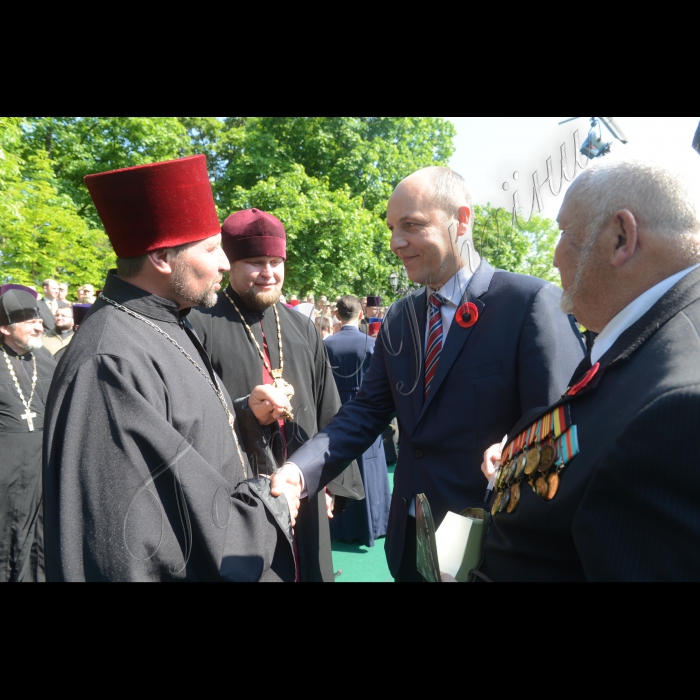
point(26, 370)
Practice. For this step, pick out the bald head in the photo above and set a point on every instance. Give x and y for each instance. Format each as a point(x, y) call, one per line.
point(441, 187)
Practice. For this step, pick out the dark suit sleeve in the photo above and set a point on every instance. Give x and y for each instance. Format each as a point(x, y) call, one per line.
point(639, 519)
point(358, 424)
point(550, 350)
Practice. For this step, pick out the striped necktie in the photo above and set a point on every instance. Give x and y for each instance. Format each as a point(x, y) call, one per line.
point(435, 340)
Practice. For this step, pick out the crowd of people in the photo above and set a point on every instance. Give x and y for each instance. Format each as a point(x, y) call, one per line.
point(166, 429)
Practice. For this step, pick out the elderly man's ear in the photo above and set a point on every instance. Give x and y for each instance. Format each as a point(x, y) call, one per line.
point(624, 232)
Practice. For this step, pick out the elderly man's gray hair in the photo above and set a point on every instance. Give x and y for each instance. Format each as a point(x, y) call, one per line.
point(664, 198)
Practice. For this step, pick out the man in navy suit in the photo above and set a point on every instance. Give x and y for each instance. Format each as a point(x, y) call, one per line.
point(459, 362)
point(350, 355)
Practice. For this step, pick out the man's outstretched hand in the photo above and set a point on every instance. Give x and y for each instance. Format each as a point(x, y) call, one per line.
point(267, 403)
point(287, 481)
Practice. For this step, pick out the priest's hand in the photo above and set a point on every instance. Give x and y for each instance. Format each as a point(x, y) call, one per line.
point(268, 404)
point(287, 481)
point(492, 457)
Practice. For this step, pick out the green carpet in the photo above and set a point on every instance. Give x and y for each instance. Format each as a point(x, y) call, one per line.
point(361, 564)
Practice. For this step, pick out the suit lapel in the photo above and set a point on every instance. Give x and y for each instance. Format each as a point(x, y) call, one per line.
point(415, 316)
point(457, 337)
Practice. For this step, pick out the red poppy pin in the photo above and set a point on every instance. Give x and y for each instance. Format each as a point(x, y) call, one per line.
point(588, 378)
point(467, 315)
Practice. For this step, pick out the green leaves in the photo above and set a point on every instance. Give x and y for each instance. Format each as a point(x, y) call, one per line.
point(41, 233)
point(327, 178)
point(526, 249)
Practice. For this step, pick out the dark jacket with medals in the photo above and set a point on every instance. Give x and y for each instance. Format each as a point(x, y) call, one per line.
point(142, 477)
point(21, 536)
point(627, 505)
point(236, 359)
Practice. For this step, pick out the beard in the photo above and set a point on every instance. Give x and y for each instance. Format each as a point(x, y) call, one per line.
point(30, 345)
point(180, 285)
point(261, 301)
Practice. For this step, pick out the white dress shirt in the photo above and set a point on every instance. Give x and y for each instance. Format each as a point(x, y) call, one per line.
point(452, 291)
point(632, 313)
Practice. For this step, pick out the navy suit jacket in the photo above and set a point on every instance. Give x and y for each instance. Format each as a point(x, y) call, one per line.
point(519, 356)
point(350, 354)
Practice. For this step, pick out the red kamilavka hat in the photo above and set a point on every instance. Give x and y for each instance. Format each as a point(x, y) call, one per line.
point(155, 206)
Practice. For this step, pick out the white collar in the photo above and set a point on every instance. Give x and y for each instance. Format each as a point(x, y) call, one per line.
point(453, 290)
point(633, 312)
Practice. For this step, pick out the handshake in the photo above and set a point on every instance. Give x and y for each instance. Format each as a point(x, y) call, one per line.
point(268, 405)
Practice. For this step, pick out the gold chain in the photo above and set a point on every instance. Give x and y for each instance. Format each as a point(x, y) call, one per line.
point(27, 404)
point(214, 386)
point(276, 374)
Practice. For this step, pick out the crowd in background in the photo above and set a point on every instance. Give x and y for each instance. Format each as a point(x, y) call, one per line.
point(325, 313)
point(61, 317)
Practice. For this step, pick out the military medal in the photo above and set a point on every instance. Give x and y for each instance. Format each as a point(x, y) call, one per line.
point(514, 498)
point(532, 461)
point(27, 415)
point(537, 456)
point(276, 374)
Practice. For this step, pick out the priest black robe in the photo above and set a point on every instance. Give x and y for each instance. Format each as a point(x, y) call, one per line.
point(21, 535)
point(350, 354)
point(141, 475)
point(315, 402)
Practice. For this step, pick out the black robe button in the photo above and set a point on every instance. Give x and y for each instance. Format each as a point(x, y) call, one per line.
point(418, 454)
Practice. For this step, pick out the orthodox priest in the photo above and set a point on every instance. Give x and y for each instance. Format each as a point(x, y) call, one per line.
point(26, 370)
point(144, 477)
point(251, 337)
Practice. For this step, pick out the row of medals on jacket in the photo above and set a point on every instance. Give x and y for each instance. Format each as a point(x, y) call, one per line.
point(538, 467)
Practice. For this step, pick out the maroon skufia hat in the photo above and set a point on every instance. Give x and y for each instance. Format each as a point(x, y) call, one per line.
point(161, 205)
point(253, 234)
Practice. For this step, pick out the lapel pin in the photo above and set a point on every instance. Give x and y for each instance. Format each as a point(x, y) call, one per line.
point(467, 315)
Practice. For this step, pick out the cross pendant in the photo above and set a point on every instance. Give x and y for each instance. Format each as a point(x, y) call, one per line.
point(28, 417)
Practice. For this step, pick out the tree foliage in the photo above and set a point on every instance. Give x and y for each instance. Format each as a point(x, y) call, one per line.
point(525, 248)
point(327, 178)
point(41, 232)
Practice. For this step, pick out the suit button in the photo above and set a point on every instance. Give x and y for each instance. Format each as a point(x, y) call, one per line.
point(418, 454)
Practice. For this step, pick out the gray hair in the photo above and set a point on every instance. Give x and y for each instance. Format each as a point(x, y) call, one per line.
point(664, 198)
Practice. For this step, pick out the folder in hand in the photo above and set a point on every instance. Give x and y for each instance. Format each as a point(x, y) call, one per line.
point(455, 548)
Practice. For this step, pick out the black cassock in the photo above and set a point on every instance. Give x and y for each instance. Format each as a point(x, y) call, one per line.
point(315, 402)
point(142, 480)
point(21, 543)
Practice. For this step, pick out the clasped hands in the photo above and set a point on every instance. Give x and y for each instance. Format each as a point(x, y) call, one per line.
point(268, 405)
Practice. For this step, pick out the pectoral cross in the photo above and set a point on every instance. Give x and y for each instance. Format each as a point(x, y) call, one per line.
point(28, 417)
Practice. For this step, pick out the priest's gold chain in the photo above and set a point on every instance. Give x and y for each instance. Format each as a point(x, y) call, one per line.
point(26, 404)
point(273, 373)
point(214, 386)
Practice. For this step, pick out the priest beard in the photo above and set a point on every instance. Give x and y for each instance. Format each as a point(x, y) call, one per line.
point(183, 280)
point(28, 345)
point(261, 301)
